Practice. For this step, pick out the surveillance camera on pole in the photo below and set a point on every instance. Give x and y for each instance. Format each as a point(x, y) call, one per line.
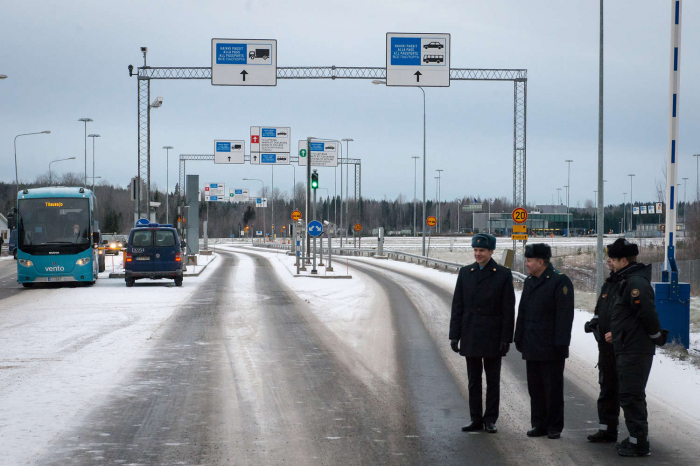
point(157, 103)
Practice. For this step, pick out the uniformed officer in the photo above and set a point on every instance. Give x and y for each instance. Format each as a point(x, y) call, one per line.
point(599, 325)
point(481, 328)
point(543, 335)
point(634, 332)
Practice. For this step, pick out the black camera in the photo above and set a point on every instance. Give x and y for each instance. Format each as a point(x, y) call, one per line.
point(592, 327)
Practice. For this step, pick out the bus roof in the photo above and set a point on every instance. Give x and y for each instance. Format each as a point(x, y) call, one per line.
point(54, 191)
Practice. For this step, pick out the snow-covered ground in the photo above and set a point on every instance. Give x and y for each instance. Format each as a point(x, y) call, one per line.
point(670, 384)
point(63, 349)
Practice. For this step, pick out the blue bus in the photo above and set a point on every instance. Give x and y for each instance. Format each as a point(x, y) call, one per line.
point(57, 236)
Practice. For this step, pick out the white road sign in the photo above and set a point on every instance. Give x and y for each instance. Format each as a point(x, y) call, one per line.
point(650, 209)
point(269, 145)
point(644, 210)
point(659, 207)
point(417, 60)
point(261, 202)
point(238, 195)
point(226, 151)
point(244, 62)
point(635, 210)
point(323, 154)
point(215, 192)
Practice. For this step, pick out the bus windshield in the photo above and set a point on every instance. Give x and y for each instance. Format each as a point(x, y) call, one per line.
point(54, 224)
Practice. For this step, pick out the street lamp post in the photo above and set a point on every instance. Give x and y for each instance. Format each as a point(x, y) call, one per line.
point(568, 182)
point(347, 181)
point(559, 196)
point(261, 194)
point(85, 120)
point(595, 211)
point(15, 142)
point(631, 175)
point(167, 183)
point(439, 195)
point(93, 136)
point(624, 211)
point(415, 174)
point(58, 160)
point(376, 81)
point(685, 205)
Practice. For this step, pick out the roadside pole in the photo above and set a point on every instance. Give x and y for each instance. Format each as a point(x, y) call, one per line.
point(320, 257)
point(329, 268)
point(313, 269)
point(307, 239)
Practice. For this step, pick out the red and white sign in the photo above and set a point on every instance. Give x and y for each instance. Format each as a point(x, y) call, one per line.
point(519, 215)
point(254, 139)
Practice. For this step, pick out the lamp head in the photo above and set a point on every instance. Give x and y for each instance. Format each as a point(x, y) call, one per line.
point(93, 135)
point(46, 132)
point(378, 81)
point(167, 147)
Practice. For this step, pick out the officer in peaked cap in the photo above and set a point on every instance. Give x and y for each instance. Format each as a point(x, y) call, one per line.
point(543, 335)
point(635, 331)
point(481, 328)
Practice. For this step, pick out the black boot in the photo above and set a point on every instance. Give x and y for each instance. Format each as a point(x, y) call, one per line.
point(603, 436)
point(536, 432)
point(473, 426)
point(639, 448)
point(490, 427)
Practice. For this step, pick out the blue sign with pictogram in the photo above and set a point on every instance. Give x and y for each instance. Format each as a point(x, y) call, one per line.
point(315, 228)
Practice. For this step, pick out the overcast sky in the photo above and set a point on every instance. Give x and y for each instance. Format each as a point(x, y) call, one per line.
point(68, 59)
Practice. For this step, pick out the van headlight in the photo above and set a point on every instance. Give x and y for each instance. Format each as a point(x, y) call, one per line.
point(25, 262)
point(83, 261)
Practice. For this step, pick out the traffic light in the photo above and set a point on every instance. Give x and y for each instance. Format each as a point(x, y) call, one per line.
point(314, 180)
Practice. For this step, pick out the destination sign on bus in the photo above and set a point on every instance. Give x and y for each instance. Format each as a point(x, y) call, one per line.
point(54, 204)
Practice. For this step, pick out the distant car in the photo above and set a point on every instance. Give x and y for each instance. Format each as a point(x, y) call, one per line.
point(114, 243)
point(433, 45)
point(12, 244)
point(153, 251)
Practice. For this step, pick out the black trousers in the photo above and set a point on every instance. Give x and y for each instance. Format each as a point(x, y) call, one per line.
point(609, 398)
point(545, 383)
point(492, 367)
point(633, 371)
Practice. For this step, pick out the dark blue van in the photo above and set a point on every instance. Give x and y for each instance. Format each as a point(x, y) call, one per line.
point(153, 251)
point(12, 244)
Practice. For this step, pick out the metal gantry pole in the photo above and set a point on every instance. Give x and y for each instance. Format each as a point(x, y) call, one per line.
point(307, 239)
point(600, 217)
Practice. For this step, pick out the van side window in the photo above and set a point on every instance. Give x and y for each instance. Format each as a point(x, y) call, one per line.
point(165, 239)
point(142, 239)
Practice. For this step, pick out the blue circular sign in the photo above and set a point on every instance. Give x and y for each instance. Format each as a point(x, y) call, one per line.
point(315, 228)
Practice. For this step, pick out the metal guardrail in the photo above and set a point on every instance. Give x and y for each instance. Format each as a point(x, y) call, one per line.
point(396, 255)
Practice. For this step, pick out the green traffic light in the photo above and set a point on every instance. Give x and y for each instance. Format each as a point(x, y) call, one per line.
point(314, 181)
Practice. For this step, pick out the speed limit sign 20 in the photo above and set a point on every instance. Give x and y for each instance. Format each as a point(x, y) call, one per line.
point(519, 215)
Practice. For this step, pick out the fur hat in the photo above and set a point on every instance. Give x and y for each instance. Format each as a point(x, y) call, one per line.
point(538, 251)
point(484, 240)
point(622, 248)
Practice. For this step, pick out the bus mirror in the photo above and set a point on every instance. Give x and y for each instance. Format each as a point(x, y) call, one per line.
point(183, 245)
point(96, 238)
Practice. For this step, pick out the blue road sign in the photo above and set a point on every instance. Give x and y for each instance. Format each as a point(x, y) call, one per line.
point(268, 158)
point(223, 147)
point(315, 228)
point(238, 191)
point(213, 198)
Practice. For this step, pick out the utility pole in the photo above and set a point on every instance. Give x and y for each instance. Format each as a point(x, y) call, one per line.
point(631, 175)
point(415, 172)
point(600, 217)
point(439, 230)
point(624, 210)
point(568, 183)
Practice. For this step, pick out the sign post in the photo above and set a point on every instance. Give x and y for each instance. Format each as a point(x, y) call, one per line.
point(358, 229)
point(431, 222)
point(315, 229)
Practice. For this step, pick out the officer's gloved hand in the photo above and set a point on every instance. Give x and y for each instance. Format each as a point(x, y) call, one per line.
point(662, 339)
point(504, 348)
point(455, 345)
point(591, 325)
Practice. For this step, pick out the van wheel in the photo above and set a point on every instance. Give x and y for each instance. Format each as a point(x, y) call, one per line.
point(178, 282)
point(129, 283)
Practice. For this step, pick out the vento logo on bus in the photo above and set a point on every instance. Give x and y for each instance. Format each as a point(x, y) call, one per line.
point(55, 268)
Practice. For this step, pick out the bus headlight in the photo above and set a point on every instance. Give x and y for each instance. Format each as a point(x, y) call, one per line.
point(83, 261)
point(25, 263)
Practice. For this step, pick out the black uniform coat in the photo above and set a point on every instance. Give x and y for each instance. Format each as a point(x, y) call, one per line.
point(545, 317)
point(483, 310)
point(634, 318)
point(604, 309)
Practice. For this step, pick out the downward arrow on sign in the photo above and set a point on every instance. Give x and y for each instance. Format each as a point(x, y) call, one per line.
point(417, 74)
point(244, 72)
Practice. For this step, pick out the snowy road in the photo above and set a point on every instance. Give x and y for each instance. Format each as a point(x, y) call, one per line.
point(248, 365)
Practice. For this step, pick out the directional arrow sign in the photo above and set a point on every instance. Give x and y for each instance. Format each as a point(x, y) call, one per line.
point(227, 151)
point(417, 59)
point(315, 228)
point(244, 62)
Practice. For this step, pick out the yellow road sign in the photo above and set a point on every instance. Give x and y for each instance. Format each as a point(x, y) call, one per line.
point(519, 229)
point(519, 237)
